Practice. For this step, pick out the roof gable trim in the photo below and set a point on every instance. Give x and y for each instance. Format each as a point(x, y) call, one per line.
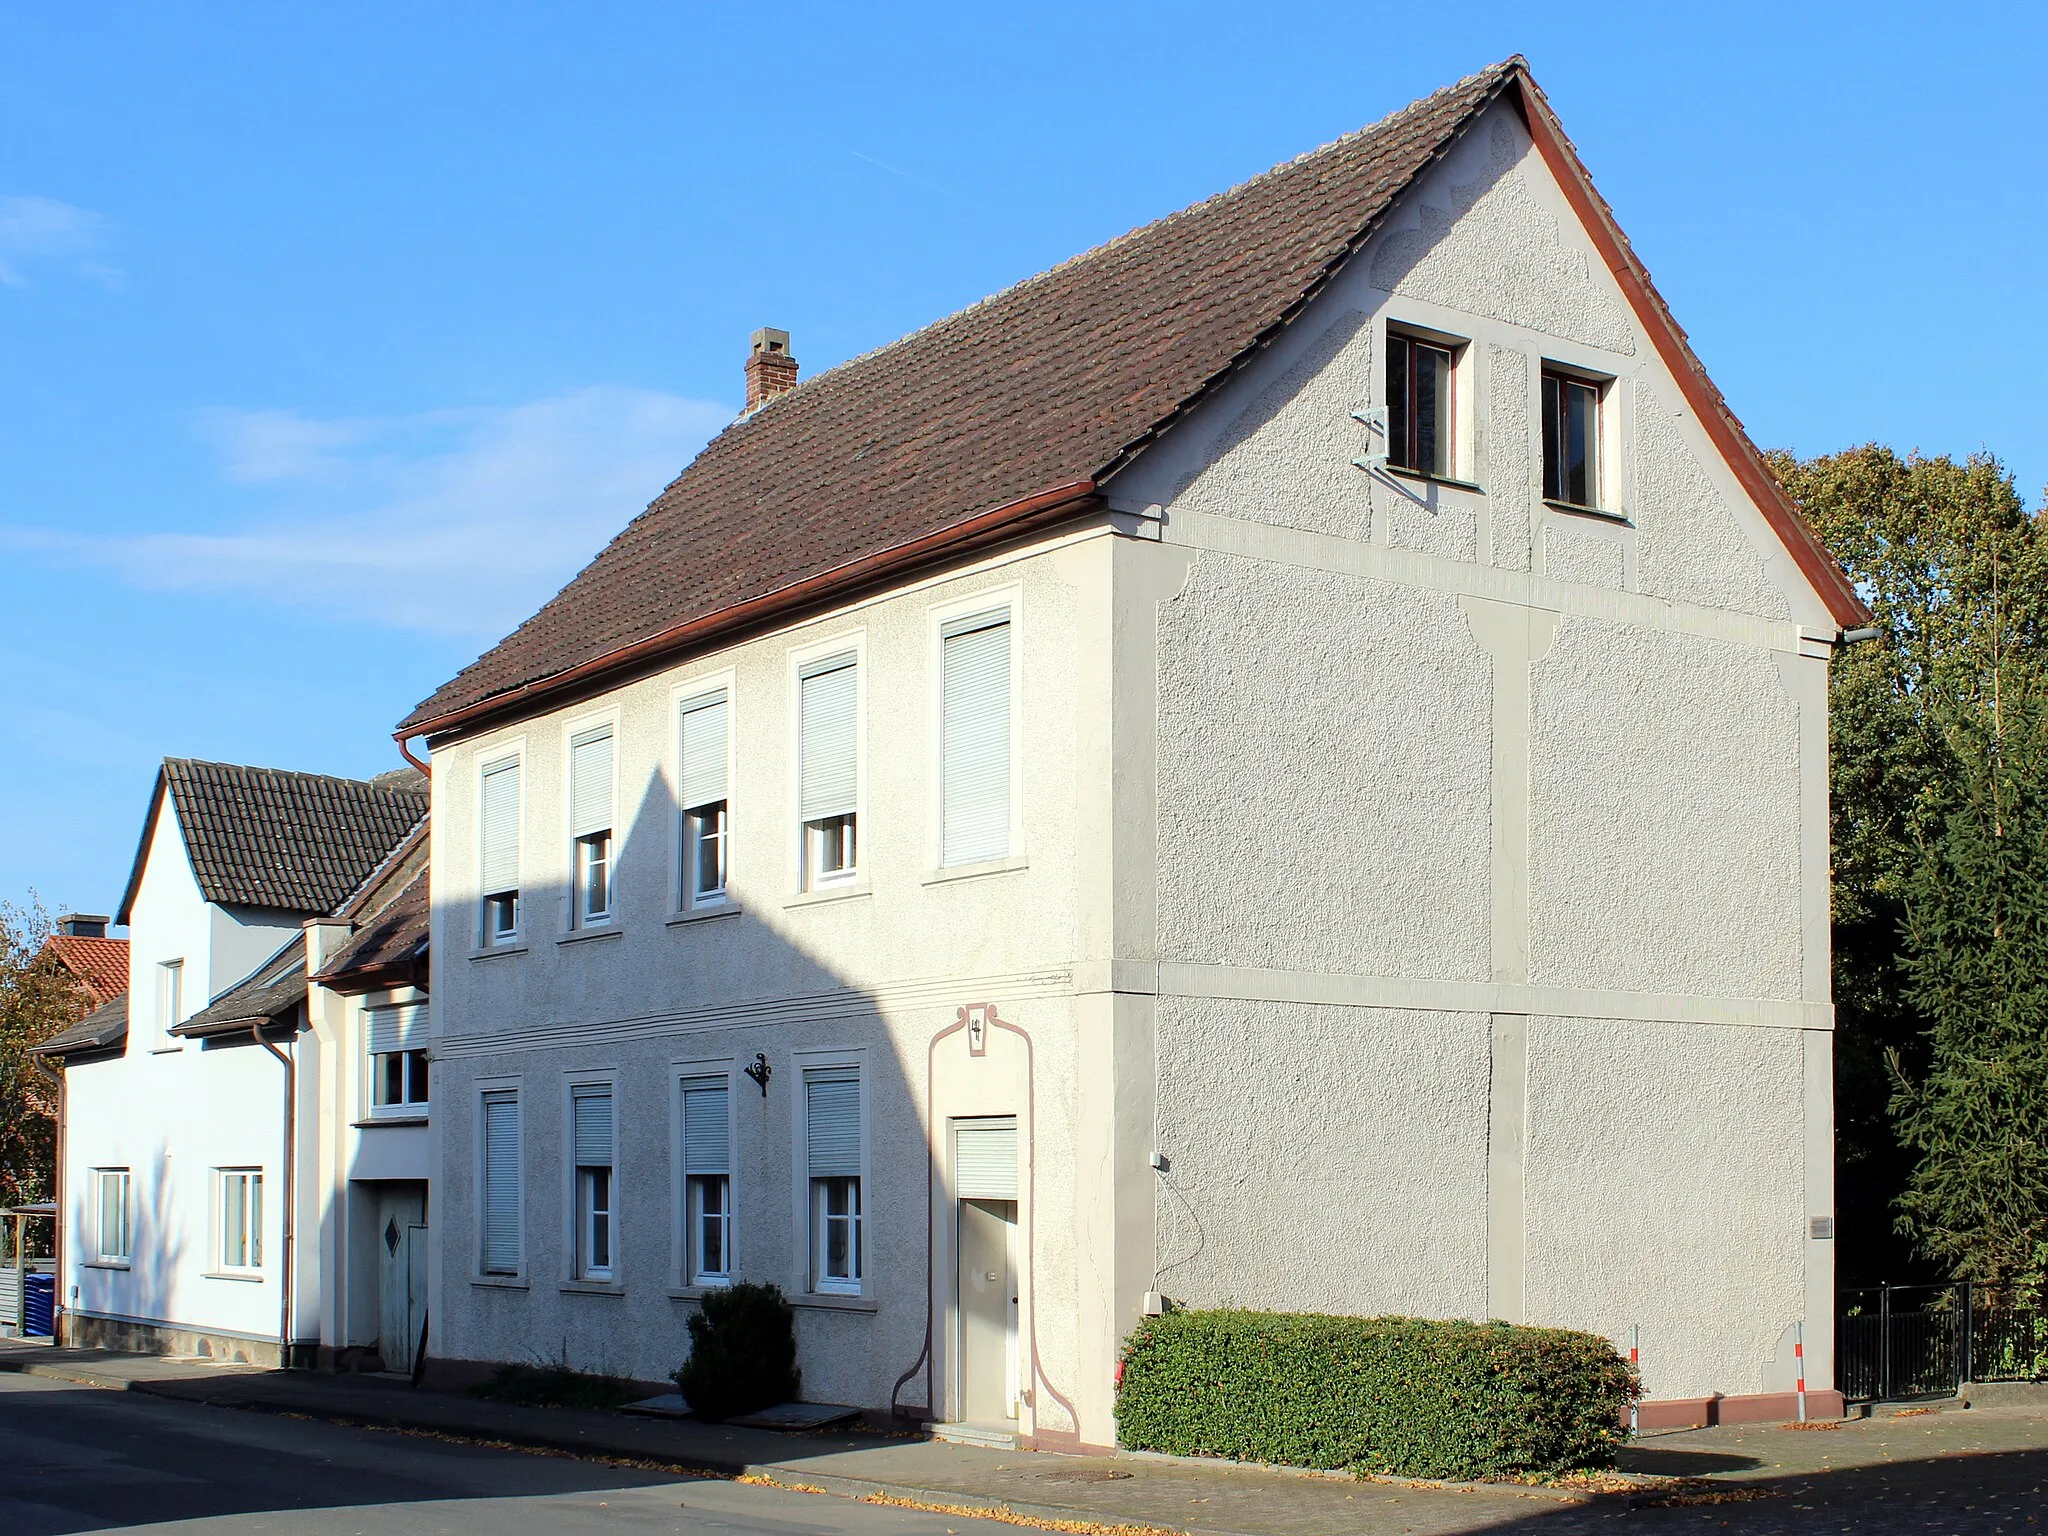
point(1827, 579)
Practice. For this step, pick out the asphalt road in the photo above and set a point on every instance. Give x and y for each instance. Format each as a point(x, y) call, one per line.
point(81, 1459)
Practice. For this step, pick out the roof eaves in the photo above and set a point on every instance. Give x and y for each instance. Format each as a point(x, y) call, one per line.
point(1011, 518)
point(103, 1028)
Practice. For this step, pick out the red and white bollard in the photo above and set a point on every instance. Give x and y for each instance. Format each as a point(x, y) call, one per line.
point(1635, 1339)
point(1799, 1361)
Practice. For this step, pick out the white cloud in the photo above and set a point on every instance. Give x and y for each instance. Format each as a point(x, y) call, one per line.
point(457, 522)
point(34, 229)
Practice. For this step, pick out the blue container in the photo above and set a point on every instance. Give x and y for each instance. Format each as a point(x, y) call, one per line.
point(38, 1305)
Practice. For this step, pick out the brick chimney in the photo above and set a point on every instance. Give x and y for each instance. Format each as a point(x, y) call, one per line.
point(82, 925)
point(770, 368)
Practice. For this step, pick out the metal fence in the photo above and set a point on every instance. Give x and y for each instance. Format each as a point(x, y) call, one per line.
point(1896, 1342)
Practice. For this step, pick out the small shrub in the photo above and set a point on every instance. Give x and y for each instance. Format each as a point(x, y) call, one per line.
point(742, 1353)
point(1398, 1395)
point(555, 1386)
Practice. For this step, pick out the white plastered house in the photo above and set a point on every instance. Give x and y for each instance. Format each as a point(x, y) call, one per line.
point(200, 1109)
point(1283, 761)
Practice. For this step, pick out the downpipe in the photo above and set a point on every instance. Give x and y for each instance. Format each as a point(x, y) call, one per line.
point(289, 1060)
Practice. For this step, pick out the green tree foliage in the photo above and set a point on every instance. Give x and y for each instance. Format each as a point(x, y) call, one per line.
point(1928, 541)
point(1977, 964)
point(37, 998)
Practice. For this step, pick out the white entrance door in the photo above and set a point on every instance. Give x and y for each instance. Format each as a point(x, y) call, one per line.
point(401, 1237)
point(986, 1278)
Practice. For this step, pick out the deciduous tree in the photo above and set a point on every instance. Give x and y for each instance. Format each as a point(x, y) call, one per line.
point(37, 999)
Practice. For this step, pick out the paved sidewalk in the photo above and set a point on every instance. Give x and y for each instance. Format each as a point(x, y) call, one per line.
point(1767, 1476)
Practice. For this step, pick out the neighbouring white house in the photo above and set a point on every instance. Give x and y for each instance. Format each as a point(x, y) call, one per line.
point(209, 1135)
point(1281, 762)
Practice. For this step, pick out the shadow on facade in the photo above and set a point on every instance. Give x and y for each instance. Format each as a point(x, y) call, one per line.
point(146, 1283)
point(661, 996)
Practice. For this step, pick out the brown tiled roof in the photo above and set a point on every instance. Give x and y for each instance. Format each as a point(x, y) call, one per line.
point(101, 964)
point(391, 948)
point(1055, 382)
point(102, 1029)
point(271, 991)
point(266, 837)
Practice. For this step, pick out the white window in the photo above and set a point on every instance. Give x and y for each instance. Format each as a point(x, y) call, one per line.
point(501, 1223)
point(707, 1182)
point(170, 1001)
point(701, 752)
point(974, 738)
point(828, 704)
point(499, 844)
point(590, 825)
point(114, 1237)
point(591, 1138)
point(1571, 439)
point(239, 1218)
point(397, 1040)
point(832, 1146)
point(1422, 405)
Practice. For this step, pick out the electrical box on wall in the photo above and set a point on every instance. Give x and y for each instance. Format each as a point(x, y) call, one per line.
point(1155, 1304)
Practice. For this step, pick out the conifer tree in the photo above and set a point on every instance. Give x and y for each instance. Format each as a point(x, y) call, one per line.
point(1946, 553)
point(1977, 965)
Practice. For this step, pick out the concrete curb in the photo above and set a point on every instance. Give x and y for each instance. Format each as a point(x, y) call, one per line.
point(1385, 1479)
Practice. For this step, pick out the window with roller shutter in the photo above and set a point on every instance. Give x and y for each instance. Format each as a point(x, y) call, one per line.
point(828, 767)
point(703, 795)
point(590, 826)
point(975, 730)
point(501, 1225)
point(832, 1147)
point(498, 851)
point(707, 1180)
point(592, 1135)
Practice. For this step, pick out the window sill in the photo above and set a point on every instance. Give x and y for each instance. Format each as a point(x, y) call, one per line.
point(501, 1282)
point(977, 871)
point(697, 1292)
point(829, 1301)
point(590, 935)
point(703, 914)
point(593, 1288)
point(498, 951)
point(1422, 477)
point(106, 1264)
point(246, 1276)
point(396, 1120)
point(1573, 510)
point(165, 1050)
point(846, 892)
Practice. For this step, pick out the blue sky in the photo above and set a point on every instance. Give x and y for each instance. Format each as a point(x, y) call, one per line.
point(336, 337)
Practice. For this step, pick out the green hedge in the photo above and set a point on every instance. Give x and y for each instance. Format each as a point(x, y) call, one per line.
point(1399, 1395)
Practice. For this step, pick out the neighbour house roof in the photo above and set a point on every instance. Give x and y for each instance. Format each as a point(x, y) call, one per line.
point(267, 837)
point(391, 949)
point(102, 1029)
point(271, 992)
point(1014, 411)
point(100, 964)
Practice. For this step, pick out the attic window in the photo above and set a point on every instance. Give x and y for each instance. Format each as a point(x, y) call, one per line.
point(1421, 405)
point(1571, 439)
